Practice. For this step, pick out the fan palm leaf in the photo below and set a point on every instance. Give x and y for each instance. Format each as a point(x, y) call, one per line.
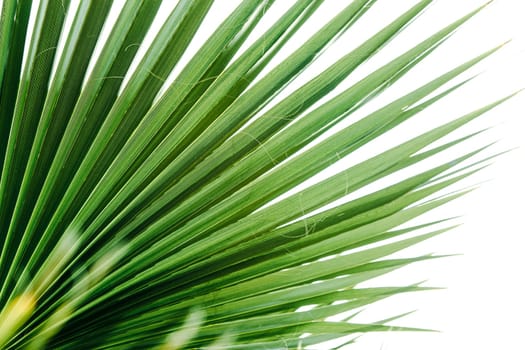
point(143, 211)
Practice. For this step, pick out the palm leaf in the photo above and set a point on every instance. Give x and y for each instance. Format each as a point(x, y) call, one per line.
point(143, 211)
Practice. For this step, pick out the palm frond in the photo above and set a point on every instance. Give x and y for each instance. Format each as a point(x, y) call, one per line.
point(140, 210)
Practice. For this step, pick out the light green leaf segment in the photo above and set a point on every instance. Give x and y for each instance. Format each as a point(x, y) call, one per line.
point(140, 214)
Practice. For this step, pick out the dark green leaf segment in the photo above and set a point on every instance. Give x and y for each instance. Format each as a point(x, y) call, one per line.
point(141, 209)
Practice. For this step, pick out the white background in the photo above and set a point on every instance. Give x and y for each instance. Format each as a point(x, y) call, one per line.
point(483, 305)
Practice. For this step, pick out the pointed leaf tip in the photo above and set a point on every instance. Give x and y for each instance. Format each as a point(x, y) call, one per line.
point(505, 43)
